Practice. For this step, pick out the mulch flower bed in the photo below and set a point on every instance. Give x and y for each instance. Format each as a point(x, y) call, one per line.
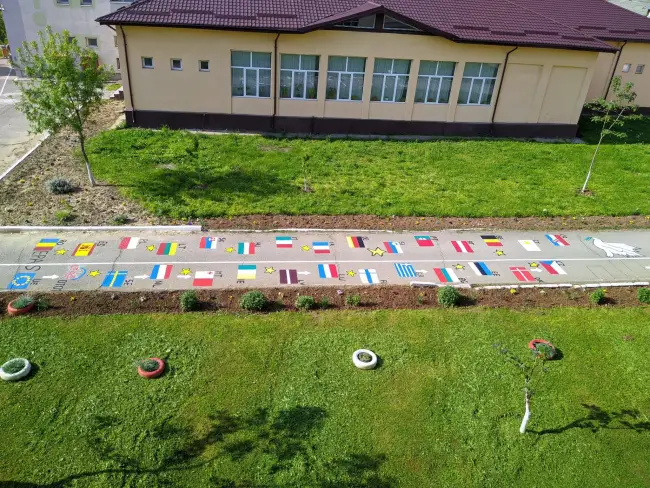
point(372, 298)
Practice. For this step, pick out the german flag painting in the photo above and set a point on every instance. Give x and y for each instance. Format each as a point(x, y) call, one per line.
point(355, 242)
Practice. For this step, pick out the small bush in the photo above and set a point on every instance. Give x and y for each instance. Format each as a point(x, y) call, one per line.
point(353, 300)
point(324, 303)
point(23, 301)
point(597, 297)
point(64, 216)
point(189, 301)
point(448, 296)
point(253, 301)
point(59, 186)
point(148, 365)
point(121, 219)
point(13, 366)
point(544, 351)
point(644, 295)
point(42, 304)
point(305, 302)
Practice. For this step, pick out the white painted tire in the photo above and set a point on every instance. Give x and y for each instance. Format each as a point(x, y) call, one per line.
point(16, 376)
point(360, 364)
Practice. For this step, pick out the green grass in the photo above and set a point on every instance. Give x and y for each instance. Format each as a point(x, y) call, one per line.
point(239, 175)
point(113, 86)
point(274, 401)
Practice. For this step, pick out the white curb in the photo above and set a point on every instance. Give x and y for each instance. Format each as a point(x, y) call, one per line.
point(545, 285)
point(422, 284)
point(99, 228)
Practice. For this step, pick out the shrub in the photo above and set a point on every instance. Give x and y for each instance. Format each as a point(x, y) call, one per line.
point(448, 296)
point(189, 301)
point(23, 301)
point(324, 302)
point(253, 301)
point(305, 302)
point(544, 351)
point(121, 219)
point(42, 304)
point(59, 186)
point(148, 365)
point(13, 366)
point(353, 300)
point(597, 297)
point(63, 216)
point(644, 295)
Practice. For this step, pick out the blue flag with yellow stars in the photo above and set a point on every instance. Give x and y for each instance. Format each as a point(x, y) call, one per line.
point(21, 281)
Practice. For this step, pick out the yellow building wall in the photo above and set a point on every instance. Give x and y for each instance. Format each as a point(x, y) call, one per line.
point(189, 90)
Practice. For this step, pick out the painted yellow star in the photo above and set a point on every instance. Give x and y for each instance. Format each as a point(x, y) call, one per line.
point(269, 270)
point(306, 248)
point(60, 252)
point(186, 271)
point(94, 272)
point(500, 253)
point(151, 248)
point(377, 252)
point(230, 249)
point(350, 273)
point(459, 266)
point(533, 265)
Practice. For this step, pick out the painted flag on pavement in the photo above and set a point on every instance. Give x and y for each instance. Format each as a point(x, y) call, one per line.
point(246, 248)
point(46, 244)
point(283, 242)
point(405, 270)
point(167, 248)
point(208, 242)
point(529, 245)
point(355, 242)
point(21, 281)
point(424, 241)
point(84, 249)
point(368, 276)
point(328, 271)
point(557, 240)
point(288, 276)
point(393, 248)
point(462, 246)
point(492, 241)
point(321, 247)
point(446, 275)
point(480, 268)
point(114, 279)
point(553, 267)
point(522, 273)
point(161, 272)
point(246, 272)
point(203, 278)
point(129, 242)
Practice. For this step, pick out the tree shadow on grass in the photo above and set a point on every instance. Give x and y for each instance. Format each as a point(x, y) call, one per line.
point(599, 419)
point(284, 440)
point(637, 131)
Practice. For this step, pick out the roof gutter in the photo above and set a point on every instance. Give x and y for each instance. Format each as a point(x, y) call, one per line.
point(611, 78)
point(276, 80)
point(128, 76)
point(503, 75)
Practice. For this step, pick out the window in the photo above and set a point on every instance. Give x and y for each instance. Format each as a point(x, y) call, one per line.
point(63, 2)
point(71, 39)
point(362, 23)
point(251, 74)
point(390, 80)
point(478, 83)
point(394, 24)
point(434, 81)
point(91, 42)
point(177, 64)
point(299, 76)
point(626, 67)
point(147, 63)
point(639, 69)
point(345, 78)
point(117, 63)
point(86, 3)
point(204, 65)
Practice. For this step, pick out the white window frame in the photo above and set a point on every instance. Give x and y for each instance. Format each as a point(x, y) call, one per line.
point(63, 2)
point(482, 80)
point(440, 78)
point(396, 76)
point(347, 23)
point(639, 69)
point(627, 67)
point(82, 4)
point(406, 27)
point(257, 85)
point(143, 64)
point(204, 61)
point(304, 72)
point(171, 64)
point(96, 46)
point(346, 72)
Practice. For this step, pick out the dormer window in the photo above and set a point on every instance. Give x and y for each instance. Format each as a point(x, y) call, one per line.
point(361, 23)
point(394, 24)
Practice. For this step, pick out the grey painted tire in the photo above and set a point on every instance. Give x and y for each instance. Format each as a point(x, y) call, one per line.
point(360, 364)
point(16, 376)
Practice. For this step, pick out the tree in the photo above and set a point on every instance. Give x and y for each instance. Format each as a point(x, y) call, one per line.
point(612, 114)
point(64, 86)
point(3, 31)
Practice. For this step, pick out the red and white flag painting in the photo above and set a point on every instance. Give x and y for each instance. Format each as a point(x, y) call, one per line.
point(522, 273)
point(462, 246)
point(203, 278)
point(129, 242)
point(552, 267)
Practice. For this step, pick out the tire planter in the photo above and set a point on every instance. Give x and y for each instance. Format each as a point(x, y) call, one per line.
point(11, 310)
point(532, 345)
point(362, 365)
point(153, 374)
point(16, 376)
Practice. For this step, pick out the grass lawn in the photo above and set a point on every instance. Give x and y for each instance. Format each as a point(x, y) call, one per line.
point(239, 175)
point(274, 401)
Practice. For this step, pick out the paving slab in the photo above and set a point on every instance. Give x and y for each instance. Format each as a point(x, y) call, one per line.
point(147, 260)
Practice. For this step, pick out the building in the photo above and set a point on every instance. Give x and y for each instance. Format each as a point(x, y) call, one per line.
point(25, 18)
point(450, 67)
point(641, 7)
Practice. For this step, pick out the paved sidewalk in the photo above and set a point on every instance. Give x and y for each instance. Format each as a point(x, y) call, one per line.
point(147, 260)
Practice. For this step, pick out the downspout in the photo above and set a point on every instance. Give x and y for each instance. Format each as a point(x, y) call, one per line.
point(276, 81)
point(496, 100)
point(611, 78)
point(128, 76)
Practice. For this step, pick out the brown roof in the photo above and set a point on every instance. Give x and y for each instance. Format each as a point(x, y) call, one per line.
point(570, 24)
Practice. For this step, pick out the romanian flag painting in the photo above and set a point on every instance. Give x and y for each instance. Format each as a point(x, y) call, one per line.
point(522, 273)
point(114, 279)
point(553, 267)
point(161, 272)
point(424, 241)
point(355, 242)
point(492, 241)
point(246, 272)
point(393, 248)
point(283, 242)
point(462, 246)
point(203, 278)
point(369, 276)
point(167, 248)
point(129, 242)
point(46, 244)
point(321, 247)
point(84, 249)
point(246, 248)
point(328, 271)
point(557, 240)
point(208, 243)
point(446, 275)
point(480, 268)
point(288, 276)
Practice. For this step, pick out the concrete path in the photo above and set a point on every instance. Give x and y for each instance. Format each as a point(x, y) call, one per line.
point(146, 260)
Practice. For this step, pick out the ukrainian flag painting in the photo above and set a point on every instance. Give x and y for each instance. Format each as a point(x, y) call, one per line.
point(114, 279)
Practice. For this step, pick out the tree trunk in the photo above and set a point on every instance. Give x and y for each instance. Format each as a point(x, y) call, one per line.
point(82, 141)
point(591, 166)
point(524, 422)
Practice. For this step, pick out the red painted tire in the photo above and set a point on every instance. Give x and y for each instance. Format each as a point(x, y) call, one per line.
point(19, 311)
point(153, 374)
point(532, 345)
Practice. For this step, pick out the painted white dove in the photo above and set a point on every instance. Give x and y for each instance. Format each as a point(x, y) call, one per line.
point(612, 248)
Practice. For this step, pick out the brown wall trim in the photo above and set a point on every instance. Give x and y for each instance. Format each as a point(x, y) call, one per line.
point(313, 125)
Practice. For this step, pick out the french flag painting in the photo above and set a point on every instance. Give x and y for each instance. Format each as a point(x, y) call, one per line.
point(328, 271)
point(161, 272)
